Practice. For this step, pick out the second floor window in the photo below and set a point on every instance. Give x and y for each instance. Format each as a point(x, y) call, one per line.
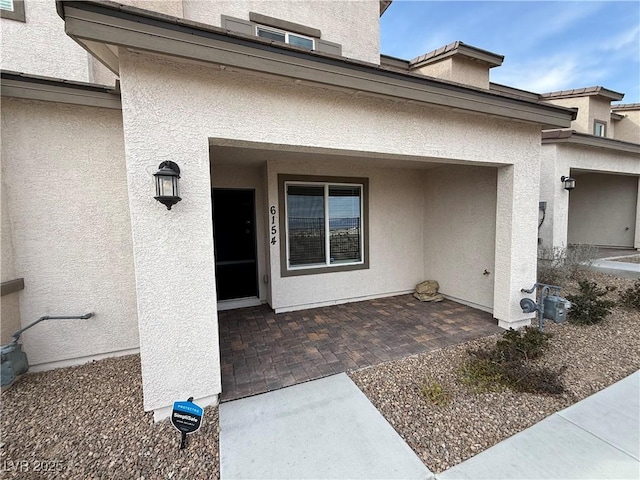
point(599, 129)
point(285, 37)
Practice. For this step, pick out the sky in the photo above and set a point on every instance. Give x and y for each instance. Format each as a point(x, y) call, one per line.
point(548, 45)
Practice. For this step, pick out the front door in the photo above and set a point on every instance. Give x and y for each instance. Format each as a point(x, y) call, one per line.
point(235, 243)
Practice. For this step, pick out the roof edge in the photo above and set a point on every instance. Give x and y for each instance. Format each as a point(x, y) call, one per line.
point(461, 49)
point(573, 137)
point(583, 92)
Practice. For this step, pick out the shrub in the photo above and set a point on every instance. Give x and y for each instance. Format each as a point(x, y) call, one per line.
point(589, 308)
point(507, 365)
point(521, 345)
point(631, 296)
point(435, 393)
point(557, 265)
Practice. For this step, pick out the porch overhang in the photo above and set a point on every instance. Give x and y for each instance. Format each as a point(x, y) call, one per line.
point(102, 27)
point(575, 138)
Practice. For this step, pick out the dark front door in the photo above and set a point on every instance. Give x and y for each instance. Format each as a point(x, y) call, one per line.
point(235, 243)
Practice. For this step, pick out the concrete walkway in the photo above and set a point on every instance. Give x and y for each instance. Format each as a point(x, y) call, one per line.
point(617, 268)
point(323, 429)
point(597, 438)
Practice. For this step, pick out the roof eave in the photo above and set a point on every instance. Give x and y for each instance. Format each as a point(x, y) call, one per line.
point(583, 139)
point(96, 24)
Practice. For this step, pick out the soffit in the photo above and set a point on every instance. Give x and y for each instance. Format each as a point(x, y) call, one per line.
point(98, 24)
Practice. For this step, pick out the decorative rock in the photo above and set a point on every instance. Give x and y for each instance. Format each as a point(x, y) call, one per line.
point(429, 287)
point(425, 297)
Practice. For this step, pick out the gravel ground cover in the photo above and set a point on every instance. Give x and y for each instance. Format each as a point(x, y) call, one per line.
point(443, 436)
point(88, 422)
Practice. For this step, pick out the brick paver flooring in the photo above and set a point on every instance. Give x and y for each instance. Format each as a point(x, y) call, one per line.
point(261, 351)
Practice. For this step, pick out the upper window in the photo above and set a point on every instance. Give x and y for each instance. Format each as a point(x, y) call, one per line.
point(285, 37)
point(324, 226)
point(12, 9)
point(599, 128)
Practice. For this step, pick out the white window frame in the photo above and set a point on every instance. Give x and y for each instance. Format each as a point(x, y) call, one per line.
point(286, 35)
point(327, 235)
point(15, 13)
point(596, 124)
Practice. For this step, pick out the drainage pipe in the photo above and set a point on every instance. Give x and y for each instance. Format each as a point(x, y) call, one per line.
point(16, 336)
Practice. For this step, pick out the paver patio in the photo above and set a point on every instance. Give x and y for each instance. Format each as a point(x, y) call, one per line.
point(263, 351)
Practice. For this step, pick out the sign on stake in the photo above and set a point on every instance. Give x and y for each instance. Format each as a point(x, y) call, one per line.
point(187, 418)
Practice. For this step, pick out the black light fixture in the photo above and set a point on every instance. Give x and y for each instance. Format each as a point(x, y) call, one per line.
point(167, 184)
point(569, 182)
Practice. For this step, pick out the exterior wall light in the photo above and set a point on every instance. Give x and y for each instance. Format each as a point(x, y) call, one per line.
point(569, 183)
point(167, 177)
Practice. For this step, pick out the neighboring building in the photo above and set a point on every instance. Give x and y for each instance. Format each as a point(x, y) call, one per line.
point(336, 175)
point(601, 151)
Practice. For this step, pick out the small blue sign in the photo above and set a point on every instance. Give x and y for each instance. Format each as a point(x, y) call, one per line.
point(186, 416)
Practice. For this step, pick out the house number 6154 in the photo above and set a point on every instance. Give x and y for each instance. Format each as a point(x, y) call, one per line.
point(274, 230)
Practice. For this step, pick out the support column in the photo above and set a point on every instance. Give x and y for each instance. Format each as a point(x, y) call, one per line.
point(173, 249)
point(516, 240)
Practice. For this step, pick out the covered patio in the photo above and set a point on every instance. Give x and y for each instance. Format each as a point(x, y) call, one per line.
point(262, 351)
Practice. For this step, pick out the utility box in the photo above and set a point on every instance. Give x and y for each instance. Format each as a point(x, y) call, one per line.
point(555, 308)
point(13, 362)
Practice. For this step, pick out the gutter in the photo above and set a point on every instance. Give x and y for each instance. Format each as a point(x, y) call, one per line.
point(35, 87)
point(96, 25)
point(572, 137)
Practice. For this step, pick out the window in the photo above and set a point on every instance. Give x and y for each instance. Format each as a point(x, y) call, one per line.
point(599, 128)
point(285, 37)
point(12, 9)
point(324, 224)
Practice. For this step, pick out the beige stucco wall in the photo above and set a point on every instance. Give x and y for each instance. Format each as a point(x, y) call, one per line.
point(602, 210)
point(458, 70)
point(560, 159)
point(395, 237)
point(166, 7)
point(590, 108)
point(172, 110)
point(10, 304)
point(39, 46)
point(63, 168)
point(354, 24)
point(628, 129)
point(459, 232)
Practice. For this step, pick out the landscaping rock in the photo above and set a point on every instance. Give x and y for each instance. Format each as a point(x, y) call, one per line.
point(429, 287)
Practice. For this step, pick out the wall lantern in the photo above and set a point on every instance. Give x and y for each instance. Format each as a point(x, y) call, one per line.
point(569, 183)
point(167, 184)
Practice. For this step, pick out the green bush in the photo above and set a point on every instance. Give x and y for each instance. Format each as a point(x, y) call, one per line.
point(435, 393)
point(589, 308)
point(631, 296)
point(507, 364)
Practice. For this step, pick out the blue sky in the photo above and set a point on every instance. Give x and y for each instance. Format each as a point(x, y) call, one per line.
point(548, 46)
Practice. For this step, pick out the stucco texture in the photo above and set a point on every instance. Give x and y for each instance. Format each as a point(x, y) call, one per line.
point(39, 46)
point(10, 304)
point(558, 159)
point(628, 129)
point(173, 109)
point(590, 108)
point(64, 177)
point(459, 70)
point(353, 24)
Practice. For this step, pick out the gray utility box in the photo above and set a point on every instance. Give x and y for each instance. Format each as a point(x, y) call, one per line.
point(555, 308)
point(14, 362)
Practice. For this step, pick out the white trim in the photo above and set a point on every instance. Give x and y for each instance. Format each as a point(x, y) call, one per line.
point(340, 301)
point(286, 34)
point(327, 245)
point(72, 362)
point(236, 303)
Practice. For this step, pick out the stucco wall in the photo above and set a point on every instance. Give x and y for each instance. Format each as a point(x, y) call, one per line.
point(39, 46)
point(628, 129)
point(590, 108)
point(459, 232)
point(172, 110)
point(459, 70)
point(354, 24)
point(63, 167)
point(395, 237)
point(10, 304)
point(560, 159)
point(602, 210)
